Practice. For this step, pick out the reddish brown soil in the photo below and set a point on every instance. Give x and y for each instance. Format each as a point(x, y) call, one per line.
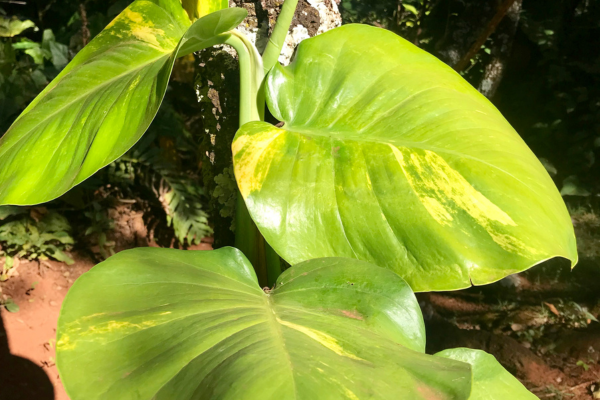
point(38, 290)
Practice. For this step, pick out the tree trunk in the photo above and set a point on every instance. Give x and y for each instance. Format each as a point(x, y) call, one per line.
point(466, 22)
point(217, 89)
point(505, 35)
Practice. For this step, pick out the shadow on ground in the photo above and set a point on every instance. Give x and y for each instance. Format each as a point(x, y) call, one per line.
point(21, 379)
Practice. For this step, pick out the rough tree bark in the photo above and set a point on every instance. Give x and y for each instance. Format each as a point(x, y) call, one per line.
point(505, 35)
point(485, 34)
point(217, 83)
point(463, 31)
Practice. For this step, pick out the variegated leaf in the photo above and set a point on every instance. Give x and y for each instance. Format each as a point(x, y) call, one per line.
point(387, 155)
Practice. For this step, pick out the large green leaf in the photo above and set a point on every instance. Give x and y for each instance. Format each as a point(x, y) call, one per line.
point(389, 156)
point(170, 324)
point(490, 380)
point(103, 101)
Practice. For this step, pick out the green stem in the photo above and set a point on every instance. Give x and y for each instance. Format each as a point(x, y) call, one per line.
point(247, 236)
point(270, 58)
point(280, 31)
point(250, 77)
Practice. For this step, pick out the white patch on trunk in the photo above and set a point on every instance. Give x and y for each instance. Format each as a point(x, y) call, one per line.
point(328, 13)
point(330, 18)
point(298, 34)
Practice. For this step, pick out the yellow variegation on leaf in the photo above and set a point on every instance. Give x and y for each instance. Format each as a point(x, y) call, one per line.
point(387, 155)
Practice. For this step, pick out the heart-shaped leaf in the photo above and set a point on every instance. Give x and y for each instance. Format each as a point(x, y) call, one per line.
point(387, 155)
point(490, 380)
point(170, 324)
point(103, 101)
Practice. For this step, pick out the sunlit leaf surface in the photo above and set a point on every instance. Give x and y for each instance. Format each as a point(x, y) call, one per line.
point(490, 380)
point(169, 324)
point(103, 101)
point(387, 155)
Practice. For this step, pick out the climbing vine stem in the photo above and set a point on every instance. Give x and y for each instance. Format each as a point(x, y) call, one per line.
point(252, 105)
point(253, 69)
point(280, 31)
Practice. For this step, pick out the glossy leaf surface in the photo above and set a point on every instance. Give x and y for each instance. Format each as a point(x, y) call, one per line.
point(170, 324)
point(490, 380)
point(103, 101)
point(387, 155)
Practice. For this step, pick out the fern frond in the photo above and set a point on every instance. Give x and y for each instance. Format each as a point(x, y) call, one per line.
point(181, 201)
point(179, 194)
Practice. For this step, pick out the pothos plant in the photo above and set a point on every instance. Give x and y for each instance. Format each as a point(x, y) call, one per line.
point(390, 174)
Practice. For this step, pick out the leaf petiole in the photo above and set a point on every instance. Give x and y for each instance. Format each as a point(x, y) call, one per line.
point(280, 31)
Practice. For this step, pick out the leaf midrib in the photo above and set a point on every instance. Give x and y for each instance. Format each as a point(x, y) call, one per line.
point(76, 99)
point(272, 318)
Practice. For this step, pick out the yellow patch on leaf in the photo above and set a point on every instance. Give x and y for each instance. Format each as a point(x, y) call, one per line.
point(142, 30)
point(248, 150)
point(350, 394)
point(444, 192)
point(98, 332)
point(328, 341)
